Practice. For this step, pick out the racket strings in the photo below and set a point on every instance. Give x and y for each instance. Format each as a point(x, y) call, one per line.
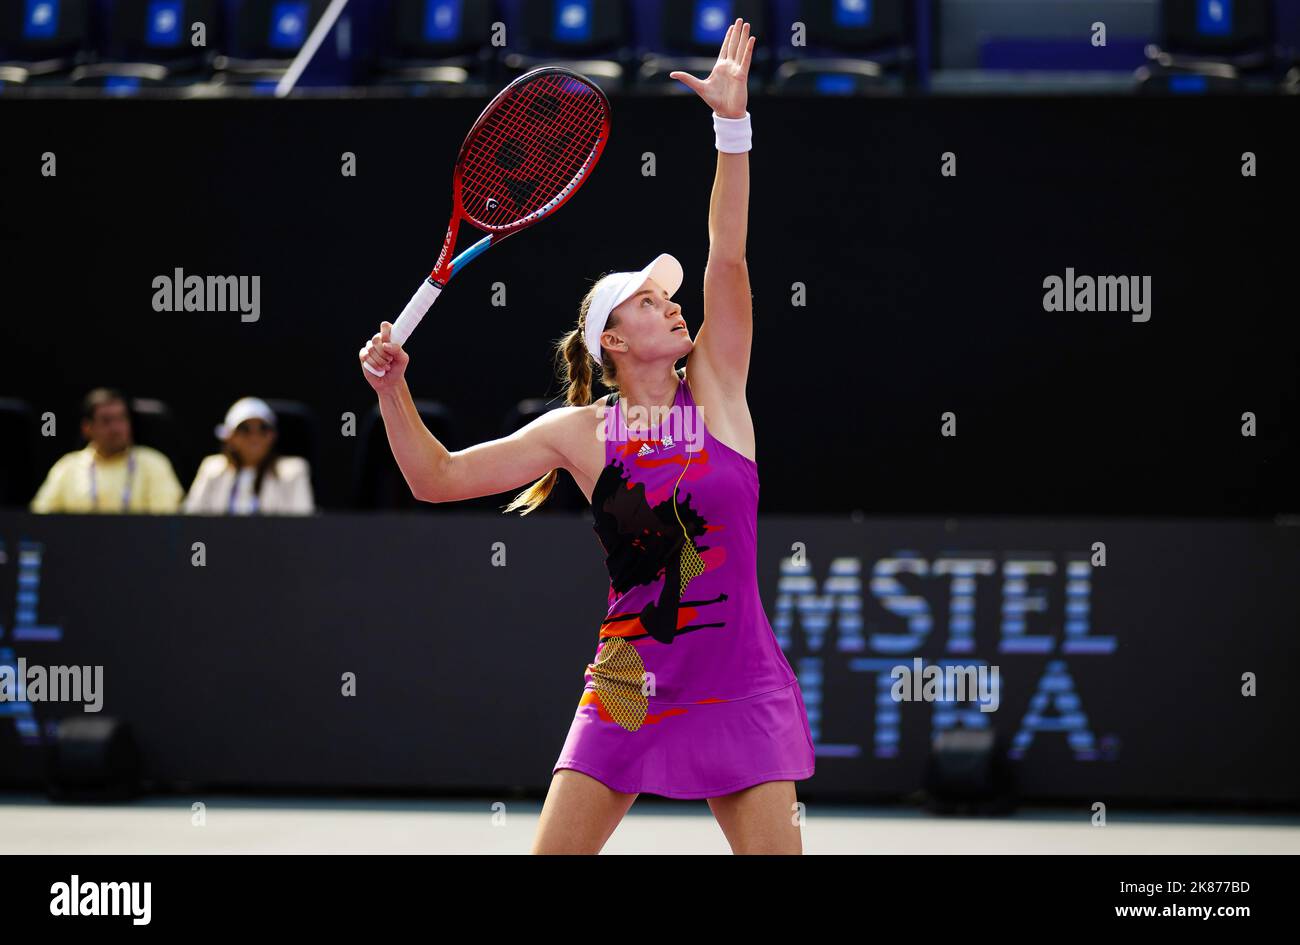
point(559, 120)
point(532, 148)
point(544, 156)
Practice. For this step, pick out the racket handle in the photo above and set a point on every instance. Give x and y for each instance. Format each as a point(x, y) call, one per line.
point(415, 310)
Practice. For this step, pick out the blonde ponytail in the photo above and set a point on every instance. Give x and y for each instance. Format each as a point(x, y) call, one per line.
point(574, 365)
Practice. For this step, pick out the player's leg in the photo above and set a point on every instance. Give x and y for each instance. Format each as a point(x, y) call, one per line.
point(579, 815)
point(760, 819)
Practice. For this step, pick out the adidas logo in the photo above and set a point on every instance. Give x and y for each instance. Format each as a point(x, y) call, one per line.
point(646, 449)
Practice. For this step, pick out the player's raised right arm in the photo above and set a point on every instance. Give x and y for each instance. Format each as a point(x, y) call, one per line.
point(433, 472)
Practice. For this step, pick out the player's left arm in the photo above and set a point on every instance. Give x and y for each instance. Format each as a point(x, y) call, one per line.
point(723, 343)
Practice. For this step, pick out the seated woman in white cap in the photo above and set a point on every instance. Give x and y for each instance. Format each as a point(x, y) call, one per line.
point(248, 477)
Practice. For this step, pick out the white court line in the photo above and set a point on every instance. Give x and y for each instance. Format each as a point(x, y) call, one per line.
point(300, 61)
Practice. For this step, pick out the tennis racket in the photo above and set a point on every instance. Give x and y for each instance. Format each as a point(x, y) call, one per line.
point(528, 152)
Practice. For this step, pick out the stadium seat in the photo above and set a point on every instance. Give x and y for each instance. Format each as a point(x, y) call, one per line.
point(1210, 46)
point(297, 433)
point(592, 37)
point(42, 38)
point(12, 76)
point(264, 36)
point(150, 44)
point(566, 496)
point(153, 424)
point(525, 412)
point(18, 433)
point(685, 35)
point(440, 43)
point(852, 47)
point(1206, 80)
point(378, 482)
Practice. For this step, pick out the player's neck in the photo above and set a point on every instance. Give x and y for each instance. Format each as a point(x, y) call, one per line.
point(646, 398)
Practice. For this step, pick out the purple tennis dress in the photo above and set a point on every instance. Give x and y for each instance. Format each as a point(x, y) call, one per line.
point(689, 695)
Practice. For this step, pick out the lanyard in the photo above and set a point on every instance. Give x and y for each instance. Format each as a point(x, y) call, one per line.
point(234, 491)
point(126, 489)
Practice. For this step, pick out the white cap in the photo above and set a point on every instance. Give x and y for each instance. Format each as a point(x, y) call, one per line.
point(246, 408)
point(618, 287)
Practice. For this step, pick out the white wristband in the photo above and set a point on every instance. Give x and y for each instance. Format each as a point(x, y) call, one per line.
point(732, 135)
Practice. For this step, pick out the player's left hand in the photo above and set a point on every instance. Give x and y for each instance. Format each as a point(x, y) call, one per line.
point(726, 89)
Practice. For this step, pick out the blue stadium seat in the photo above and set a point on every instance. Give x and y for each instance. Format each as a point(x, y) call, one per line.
point(1287, 27)
point(852, 47)
point(685, 35)
point(1238, 31)
point(161, 31)
point(438, 43)
point(1211, 46)
point(1205, 80)
point(40, 38)
point(149, 43)
point(593, 37)
point(264, 36)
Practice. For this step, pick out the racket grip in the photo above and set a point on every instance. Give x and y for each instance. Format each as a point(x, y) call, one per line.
point(415, 310)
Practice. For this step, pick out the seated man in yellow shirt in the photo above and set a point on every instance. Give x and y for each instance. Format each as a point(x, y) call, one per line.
point(110, 474)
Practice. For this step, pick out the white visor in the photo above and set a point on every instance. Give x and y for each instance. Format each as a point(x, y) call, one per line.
point(619, 286)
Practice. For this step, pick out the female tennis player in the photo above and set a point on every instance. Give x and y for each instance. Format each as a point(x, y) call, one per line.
point(689, 694)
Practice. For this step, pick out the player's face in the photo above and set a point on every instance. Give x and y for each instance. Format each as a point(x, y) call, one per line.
point(110, 428)
point(252, 440)
point(652, 324)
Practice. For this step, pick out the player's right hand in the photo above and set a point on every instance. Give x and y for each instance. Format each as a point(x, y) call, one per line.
point(383, 355)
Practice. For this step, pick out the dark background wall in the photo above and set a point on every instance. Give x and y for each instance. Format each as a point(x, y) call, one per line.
point(924, 293)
